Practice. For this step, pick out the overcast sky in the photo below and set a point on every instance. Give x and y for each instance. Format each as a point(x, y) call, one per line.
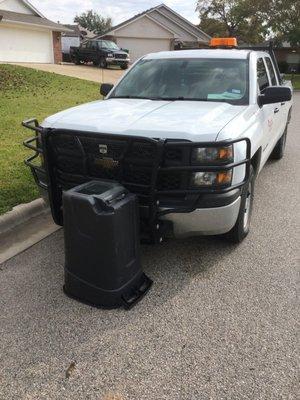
point(64, 11)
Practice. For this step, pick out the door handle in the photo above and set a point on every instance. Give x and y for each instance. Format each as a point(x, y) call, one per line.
point(276, 110)
point(282, 104)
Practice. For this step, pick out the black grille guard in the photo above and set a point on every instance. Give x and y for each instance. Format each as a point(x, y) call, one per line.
point(44, 176)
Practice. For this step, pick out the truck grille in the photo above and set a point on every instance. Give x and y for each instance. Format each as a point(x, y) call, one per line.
point(157, 170)
point(120, 55)
point(78, 158)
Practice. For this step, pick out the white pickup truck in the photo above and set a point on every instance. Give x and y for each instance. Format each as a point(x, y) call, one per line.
point(187, 131)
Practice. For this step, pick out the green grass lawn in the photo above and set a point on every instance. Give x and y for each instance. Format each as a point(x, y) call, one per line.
point(295, 80)
point(26, 93)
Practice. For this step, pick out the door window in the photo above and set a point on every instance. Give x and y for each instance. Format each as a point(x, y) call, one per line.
point(262, 76)
point(271, 71)
point(94, 45)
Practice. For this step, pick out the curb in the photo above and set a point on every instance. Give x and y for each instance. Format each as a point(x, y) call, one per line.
point(22, 213)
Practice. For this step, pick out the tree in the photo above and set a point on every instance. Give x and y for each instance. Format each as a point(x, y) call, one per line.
point(284, 21)
point(244, 19)
point(94, 22)
point(252, 21)
point(213, 27)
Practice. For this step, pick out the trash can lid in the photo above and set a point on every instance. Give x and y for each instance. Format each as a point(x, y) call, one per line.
point(106, 191)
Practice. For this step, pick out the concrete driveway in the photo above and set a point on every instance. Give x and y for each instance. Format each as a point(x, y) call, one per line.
point(87, 72)
point(219, 323)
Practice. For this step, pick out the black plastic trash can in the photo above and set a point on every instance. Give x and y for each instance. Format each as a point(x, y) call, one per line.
point(102, 245)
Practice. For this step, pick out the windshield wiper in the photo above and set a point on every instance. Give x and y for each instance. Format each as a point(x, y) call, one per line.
point(167, 98)
point(129, 97)
point(150, 98)
point(179, 98)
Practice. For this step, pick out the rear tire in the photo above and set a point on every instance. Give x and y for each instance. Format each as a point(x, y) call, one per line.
point(278, 151)
point(242, 226)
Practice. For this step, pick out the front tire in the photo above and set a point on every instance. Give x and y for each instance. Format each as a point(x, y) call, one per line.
point(124, 66)
point(278, 151)
point(102, 63)
point(242, 226)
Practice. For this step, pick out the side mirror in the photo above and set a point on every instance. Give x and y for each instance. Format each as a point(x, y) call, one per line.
point(105, 88)
point(275, 94)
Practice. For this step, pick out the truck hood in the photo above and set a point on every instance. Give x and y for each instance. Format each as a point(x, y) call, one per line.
point(191, 120)
point(118, 51)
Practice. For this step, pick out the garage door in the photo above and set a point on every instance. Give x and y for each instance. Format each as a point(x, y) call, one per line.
point(25, 45)
point(140, 47)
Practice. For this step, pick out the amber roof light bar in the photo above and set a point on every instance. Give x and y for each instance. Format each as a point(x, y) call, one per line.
point(223, 42)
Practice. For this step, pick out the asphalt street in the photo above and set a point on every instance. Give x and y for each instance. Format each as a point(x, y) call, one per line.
point(219, 323)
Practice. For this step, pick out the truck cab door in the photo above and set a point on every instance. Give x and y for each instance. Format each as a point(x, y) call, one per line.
point(84, 51)
point(93, 54)
point(101, 51)
point(267, 111)
point(89, 51)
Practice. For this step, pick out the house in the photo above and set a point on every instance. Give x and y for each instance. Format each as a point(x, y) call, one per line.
point(26, 35)
point(158, 29)
point(288, 57)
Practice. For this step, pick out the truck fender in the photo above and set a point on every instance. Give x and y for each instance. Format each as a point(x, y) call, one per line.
point(289, 115)
point(240, 153)
point(255, 161)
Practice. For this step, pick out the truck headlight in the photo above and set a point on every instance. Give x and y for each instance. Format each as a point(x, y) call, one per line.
point(110, 55)
point(212, 155)
point(215, 178)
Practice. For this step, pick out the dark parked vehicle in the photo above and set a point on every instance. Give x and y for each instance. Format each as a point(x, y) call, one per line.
point(101, 52)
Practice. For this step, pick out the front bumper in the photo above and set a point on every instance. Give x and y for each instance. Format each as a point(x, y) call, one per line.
point(205, 221)
point(156, 170)
point(113, 60)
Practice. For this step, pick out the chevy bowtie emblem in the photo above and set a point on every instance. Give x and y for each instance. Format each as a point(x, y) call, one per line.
point(102, 148)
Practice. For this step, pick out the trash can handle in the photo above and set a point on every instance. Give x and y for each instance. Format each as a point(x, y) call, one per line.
point(102, 203)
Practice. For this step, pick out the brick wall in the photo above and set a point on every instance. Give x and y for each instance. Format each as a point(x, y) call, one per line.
point(56, 36)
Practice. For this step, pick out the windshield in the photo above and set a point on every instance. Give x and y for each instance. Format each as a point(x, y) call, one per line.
point(107, 44)
point(223, 80)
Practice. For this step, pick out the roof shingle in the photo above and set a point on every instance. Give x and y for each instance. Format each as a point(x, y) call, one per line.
point(196, 29)
point(10, 16)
